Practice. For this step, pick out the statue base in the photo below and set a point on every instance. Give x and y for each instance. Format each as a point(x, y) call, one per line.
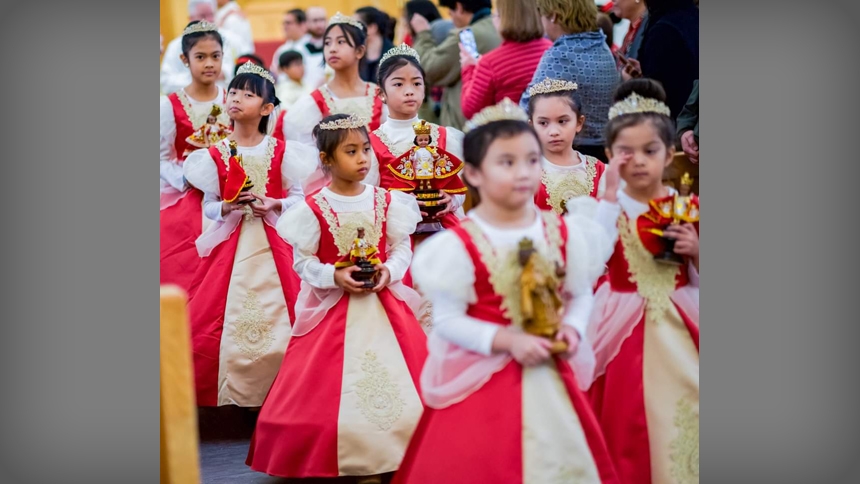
point(668, 256)
point(245, 189)
point(366, 274)
point(432, 207)
point(558, 347)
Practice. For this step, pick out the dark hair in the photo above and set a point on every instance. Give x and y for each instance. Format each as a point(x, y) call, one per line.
point(605, 24)
point(477, 142)
point(571, 97)
point(355, 37)
point(242, 59)
point(261, 87)
point(288, 58)
point(425, 8)
point(415, 139)
point(648, 88)
point(393, 63)
point(329, 139)
point(470, 6)
point(299, 14)
point(190, 40)
point(373, 16)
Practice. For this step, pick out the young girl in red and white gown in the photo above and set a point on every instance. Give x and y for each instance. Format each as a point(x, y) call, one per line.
point(245, 288)
point(554, 111)
point(346, 399)
point(645, 325)
point(182, 114)
point(343, 50)
point(401, 79)
point(499, 407)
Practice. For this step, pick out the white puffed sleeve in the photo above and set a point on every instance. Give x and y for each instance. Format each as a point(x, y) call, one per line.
point(443, 272)
point(602, 212)
point(373, 175)
point(200, 171)
point(601, 186)
point(300, 120)
point(297, 165)
point(588, 249)
point(169, 168)
point(301, 229)
point(403, 216)
point(454, 145)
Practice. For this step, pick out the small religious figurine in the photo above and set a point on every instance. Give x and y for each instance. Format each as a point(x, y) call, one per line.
point(427, 171)
point(239, 168)
point(539, 293)
point(365, 256)
point(210, 133)
point(674, 210)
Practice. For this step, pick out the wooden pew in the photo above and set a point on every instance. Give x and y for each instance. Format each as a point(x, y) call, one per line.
point(179, 440)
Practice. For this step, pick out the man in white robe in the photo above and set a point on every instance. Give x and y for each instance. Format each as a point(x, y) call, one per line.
point(230, 17)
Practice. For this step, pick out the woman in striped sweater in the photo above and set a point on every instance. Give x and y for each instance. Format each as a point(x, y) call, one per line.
point(507, 70)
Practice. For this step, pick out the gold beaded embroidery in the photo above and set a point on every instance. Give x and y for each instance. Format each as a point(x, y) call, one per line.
point(379, 397)
point(434, 133)
point(199, 119)
point(343, 231)
point(253, 333)
point(505, 270)
point(561, 187)
point(685, 448)
point(655, 282)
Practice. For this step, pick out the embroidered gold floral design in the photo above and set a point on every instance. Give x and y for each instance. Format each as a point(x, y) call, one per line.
point(379, 397)
point(394, 150)
point(365, 111)
point(343, 228)
point(253, 333)
point(504, 268)
point(561, 187)
point(199, 119)
point(685, 447)
point(655, 282)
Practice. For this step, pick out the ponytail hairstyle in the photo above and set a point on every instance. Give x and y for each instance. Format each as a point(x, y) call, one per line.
point(265, 88)
point(653, 93)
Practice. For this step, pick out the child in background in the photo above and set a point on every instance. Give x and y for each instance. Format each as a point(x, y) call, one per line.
point(290, 88)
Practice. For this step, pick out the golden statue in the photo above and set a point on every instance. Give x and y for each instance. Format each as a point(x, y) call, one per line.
point(539, 293)
point(210, 134)
point(673, 210)
point(365, 256)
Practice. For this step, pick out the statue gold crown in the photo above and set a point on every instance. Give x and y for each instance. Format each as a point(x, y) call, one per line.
point(635, 103)
point(401, 49)
point(216, 110)
point(549, 86)
point(505, 110)
point(421, 127)
point(251, 68)
point(352, 122)
point(200, 27)
point(687, 180)
point(340, 18)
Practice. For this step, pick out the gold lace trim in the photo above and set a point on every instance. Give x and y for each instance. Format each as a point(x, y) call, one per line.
point(343, 232)
point(378, 397)
point(198, 120)
point(655, 282)
point(253, 332)
point(561, 187)
point(505, 270)
point(332, 107)
point(685, 447)
point(434, 133)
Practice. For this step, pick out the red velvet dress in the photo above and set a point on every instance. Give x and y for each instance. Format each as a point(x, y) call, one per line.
point(556, 188)
point(503, 431)
point(346, 399)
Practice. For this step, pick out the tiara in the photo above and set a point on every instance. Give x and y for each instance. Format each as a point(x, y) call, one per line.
point(340, 18)
point(401, 49)
point(548, 86)
point(505, 110)
point(251, 68)
point(635, 103)
point(201, 26)
point(421, 127)
point(352, 122)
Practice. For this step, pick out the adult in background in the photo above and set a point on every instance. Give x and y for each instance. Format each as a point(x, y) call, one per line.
point(230, 17)
point(439, 29)
point(670, 50)
point(506, 71)
point(315, 67)
point(636, 12)
point(377, 40)
point(579, 54)
point(441, 63)
point(296, 33)
point(688, 125)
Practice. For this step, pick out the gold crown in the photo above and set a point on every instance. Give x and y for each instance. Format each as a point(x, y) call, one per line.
point(548, 86)
point(401, 49)
point(421, 127)
point(635, 103)
point(201, 26)
point(352, 122)
point(505, 110)
point(251, 68)
point(687, 180)
point(340, 18)
point(216, 110)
